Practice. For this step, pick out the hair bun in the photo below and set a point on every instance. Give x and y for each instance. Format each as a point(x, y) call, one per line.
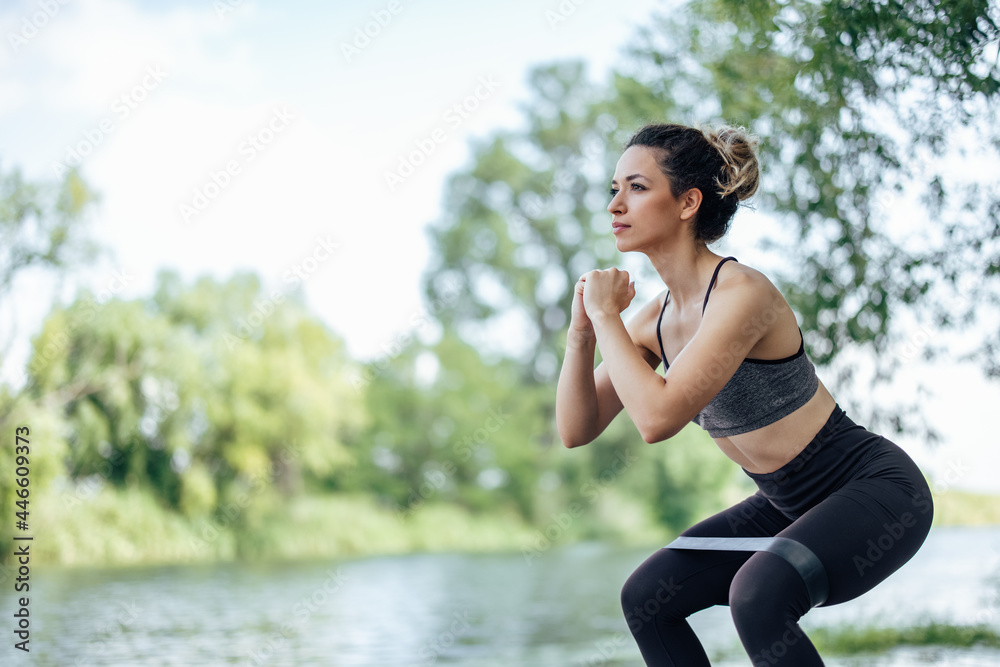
point(738, 149)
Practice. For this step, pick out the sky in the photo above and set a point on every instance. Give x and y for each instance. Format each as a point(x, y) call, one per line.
point(229, 135)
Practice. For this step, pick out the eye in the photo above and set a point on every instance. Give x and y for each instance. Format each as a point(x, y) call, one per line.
point(637, 186)
point(613, 192)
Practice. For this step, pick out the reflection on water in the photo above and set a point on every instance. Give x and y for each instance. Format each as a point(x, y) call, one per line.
point(560, 608)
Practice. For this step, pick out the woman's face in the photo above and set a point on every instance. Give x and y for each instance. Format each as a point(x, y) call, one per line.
point(644, 212)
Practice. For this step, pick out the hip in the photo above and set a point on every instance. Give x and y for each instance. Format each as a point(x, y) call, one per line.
point(841, 452)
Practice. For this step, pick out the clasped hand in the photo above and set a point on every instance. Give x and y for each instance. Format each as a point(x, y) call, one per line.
point(605, 292)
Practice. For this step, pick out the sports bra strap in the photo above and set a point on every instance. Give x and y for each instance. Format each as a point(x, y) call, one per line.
point(712, 282)
point(659, 336)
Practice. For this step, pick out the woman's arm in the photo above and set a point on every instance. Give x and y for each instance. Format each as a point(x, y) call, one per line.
point(586, 400)
point(661, 406)
point(577, 404)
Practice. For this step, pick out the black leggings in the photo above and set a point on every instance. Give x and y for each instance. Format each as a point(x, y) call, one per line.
point(852, 497)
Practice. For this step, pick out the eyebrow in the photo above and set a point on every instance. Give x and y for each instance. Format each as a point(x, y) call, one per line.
point(631, 178)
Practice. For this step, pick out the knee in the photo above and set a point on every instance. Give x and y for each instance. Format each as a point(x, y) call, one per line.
point(648, 594)
point(748, 595)
point(767, 588)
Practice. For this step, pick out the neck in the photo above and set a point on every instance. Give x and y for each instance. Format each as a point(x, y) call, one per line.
point(685, 269)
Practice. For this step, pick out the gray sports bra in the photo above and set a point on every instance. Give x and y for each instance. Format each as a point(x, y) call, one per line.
point(761, 392)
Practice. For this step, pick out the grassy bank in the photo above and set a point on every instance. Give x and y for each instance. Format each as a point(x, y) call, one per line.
point(871, 644)
point(852, 640)
point(129, 527)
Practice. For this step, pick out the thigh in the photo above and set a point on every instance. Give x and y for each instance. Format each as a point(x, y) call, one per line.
point(685, 580)
point(866, 530)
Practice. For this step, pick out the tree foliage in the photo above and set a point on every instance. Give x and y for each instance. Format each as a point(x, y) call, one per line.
point(42, 228)
point(41, 225)
point(200, 393)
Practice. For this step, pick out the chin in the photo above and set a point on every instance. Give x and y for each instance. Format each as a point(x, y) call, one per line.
point(623, 245)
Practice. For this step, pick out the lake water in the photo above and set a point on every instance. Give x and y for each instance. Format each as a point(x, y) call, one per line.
point(561, 609)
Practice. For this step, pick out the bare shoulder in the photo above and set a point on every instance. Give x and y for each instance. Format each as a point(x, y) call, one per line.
point(739, 281)
point(746, 296)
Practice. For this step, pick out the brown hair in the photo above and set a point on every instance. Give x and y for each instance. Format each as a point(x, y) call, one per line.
point(721, 162)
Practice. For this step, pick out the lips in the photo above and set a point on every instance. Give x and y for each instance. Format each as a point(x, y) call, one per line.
point(618, 226)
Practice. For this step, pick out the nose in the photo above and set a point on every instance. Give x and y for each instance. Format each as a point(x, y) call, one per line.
point(617, 204)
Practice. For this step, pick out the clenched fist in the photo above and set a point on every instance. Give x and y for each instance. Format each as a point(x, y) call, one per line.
point(606, 292)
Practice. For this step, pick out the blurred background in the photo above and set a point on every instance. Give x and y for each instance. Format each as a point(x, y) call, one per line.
point(284, 291)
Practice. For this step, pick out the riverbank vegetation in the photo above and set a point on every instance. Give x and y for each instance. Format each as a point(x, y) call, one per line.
point(873, 640)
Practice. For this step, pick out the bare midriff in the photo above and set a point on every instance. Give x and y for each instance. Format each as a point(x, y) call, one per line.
point(771, 447)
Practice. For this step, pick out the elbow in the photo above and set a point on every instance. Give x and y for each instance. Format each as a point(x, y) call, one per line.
point(651, 436)
point(570, 442)
point(658, 432)
point(571, 434)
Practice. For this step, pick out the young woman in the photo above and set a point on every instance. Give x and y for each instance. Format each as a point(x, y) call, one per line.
point(838, 508)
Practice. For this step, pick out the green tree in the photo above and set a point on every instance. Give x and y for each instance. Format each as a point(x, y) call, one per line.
point(42, 225)
point(42, 228)
point(213, 396)
point(462, 431)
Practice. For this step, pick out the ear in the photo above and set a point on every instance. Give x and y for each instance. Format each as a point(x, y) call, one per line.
point(690, 202)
